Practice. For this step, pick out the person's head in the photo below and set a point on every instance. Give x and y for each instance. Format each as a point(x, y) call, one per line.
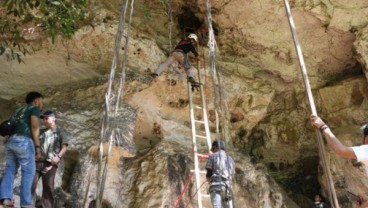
point(193, 37)
point(217, 145)
point(49, 118)
point(35, 98)
point(364, 129)
point(317, 198)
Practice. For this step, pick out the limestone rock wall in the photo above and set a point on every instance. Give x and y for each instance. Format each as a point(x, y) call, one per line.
point(273, 143)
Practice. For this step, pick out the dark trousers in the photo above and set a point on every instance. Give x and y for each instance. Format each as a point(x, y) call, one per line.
point(47, 172)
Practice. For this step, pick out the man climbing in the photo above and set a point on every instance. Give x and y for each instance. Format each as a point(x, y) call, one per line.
point(220, 169)
point(54, 144)
point(20, 150)
point(180, 55)
point(360, 153)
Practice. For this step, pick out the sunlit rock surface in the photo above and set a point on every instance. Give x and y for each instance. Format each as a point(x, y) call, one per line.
point(273, 144)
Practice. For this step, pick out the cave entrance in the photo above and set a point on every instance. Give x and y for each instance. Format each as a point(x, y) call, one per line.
point(188, 23)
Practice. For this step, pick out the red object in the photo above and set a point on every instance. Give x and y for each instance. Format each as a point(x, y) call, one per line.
point(204, 157)
point(184, 190)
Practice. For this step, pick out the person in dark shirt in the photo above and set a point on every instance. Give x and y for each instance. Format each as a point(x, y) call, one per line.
point(318, 203)
point(180, 55)
point(20, 150)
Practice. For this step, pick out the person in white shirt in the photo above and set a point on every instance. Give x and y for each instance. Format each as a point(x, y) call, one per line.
point(359, 153)
point(220, 169)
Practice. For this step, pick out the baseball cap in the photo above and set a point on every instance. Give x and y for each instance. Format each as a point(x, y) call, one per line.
point(48, 113)
point(219, 144)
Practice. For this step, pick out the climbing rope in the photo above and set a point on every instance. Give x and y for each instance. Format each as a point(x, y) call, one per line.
point(112, 102)
point(220, 106)
point(322, 151)
point(169, 13)
point(195, 193)
point(219, 102)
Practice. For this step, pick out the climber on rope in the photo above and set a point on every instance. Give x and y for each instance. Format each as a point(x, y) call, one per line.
point(220, 169)
point(359, 153)
point(180, 55)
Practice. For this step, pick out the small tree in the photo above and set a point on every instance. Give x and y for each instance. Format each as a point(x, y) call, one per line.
point(51, 17)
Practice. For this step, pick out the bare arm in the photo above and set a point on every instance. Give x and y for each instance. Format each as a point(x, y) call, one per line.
point(63, 150)
point(35, 128)
point(337, 146)
point(56, 159)
point(208, 174)
point(332, 141)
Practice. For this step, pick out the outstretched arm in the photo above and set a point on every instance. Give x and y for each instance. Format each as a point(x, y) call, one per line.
point(332, 141)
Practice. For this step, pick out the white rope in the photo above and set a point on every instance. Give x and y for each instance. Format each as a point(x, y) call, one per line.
point(217, 91)
point(212, 58)
point(124, 61)
point(112, 102)
point(332, 192)
point(219, 101)
point(170, 11)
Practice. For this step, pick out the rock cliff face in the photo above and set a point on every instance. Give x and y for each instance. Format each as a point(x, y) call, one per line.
point(272, 142)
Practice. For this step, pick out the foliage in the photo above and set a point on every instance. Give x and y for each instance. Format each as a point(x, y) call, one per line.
point(52, 17)
point(146, 12)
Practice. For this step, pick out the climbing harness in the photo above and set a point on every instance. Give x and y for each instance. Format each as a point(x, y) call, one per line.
point(112, 102)
point(321, 145)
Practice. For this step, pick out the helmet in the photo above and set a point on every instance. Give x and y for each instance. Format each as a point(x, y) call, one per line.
point(193, 36)
point(218, 144)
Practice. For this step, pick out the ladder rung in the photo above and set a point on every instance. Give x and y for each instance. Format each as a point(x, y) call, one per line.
point(201, 171)
point(202, 155)
point(197, 107)
point(198, 121)
point(203, 137)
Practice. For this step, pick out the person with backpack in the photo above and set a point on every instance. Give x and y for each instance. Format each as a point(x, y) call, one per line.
point(359, 153)
point(220, 169)
point(21, 149)
point(180, 55)
point(54, 144)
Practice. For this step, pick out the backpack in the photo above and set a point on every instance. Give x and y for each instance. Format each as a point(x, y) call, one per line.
point(7, 127)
